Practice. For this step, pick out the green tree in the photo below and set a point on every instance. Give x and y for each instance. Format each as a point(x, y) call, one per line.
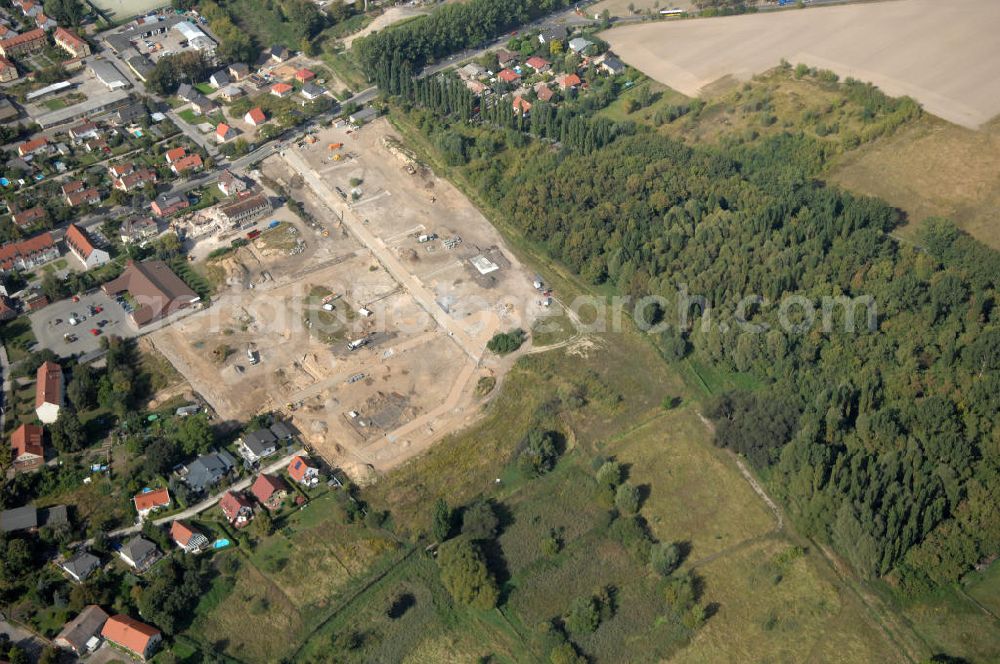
point(67, 433)
point(627, 499)
point(465, 575)
point(82, 388)
point(443, 520)
point(194, 435)
point(65, 12)
point(664, 558)
point(583, 616)
point(263, 524)
point(479, 521)
point(538, 453)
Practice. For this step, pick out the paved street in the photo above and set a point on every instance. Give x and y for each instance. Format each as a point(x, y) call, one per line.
point(198, 508)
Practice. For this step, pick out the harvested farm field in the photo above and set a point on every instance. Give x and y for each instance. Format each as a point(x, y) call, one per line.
point(942, 55)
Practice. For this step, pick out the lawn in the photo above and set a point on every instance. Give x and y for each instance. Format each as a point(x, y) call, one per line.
point(663, 96)
point(296, 579)
point(17, 338)
point(204, 88)
point(555, 327)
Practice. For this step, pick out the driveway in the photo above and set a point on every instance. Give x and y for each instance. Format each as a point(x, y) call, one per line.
point(50, 333)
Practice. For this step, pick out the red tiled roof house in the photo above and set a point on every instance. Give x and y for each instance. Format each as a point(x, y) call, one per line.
point(302, 471)
point(237, 508)
point(29, 450)
point(48, 392)
point(148, 501)
point(269, 490)
point(131, 635)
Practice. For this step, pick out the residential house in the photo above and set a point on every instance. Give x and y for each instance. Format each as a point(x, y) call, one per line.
point(29, 8)
point(88, 196)
point(82, 635)
point(81, 566)
point(187, 538)
point(19, 518)
point(189, 163)
point(72, 187)
point(8, 72)
point(471, 71)
point(45, 22)
point(208, 470)
point(121, 170)
point(6, 31)
point(568, 82)
point(238, 71)
point(579, 44)
point(506, 58)
point(540, 65)
point(138, 230)
point(304, 75)
point(230, 184)
point(130, 635)
point(303, 471)
point(131, 112)
point(168, 203)
point(7, 309)
point(219, 79)
point(135, 180)
point(257, 445)
point(231, 92)
point(187, 92)
point(49, 392)
point(237, 508)
point(97, 145)
point(279, 53)
point(28, 254)
point(29, 217)
point(509, 76)
point(150, 501)
point(139, 553)
point(84, 130)
point(71, 43)
point(224, 132)
point(612, 65)
point(281, 90)
point(270, 491)
point(312, 91)
point(203, 105)
point(544, 92)
point(282, 431)
point(31, 41)
point(28, 447)
point(255, 117)
point(34, 146)
point(174, 154)
point(80, 245)
point(521, 105)
point(245, 209)
point(555, 33)
point(476, 87)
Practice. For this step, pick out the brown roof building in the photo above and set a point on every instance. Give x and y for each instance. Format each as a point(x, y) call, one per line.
point(29, 451)
point(245, 209)
point(48, 392)
point(131, 635)
point(82, 634)
point(28, 217)
point(158, 292)
point(81, 246)
point(70, 43)
point(269, 490)
point(8, 72)
point(28, 254)
point(28, 42)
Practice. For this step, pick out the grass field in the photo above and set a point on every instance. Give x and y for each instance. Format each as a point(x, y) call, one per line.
point(932, 168)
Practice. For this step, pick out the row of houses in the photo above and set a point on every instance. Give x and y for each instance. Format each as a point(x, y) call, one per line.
point(85, 633)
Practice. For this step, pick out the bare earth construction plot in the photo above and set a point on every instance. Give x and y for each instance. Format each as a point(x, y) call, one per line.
point(942, 55)
point(412, 268)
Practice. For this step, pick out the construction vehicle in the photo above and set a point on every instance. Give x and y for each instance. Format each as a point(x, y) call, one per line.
point(357, 343)
point(252, 356)
point(335, 146)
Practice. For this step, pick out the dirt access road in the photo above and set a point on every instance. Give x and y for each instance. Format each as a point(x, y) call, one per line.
point(944, 55)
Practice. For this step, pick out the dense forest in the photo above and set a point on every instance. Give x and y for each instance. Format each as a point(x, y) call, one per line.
point(448, 29)
point(882, 442)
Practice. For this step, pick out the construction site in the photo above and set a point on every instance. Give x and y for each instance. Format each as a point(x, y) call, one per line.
point(365, 318)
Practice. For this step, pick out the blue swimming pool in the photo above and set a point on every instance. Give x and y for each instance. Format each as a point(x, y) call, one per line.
point(220, 544)
point(4, 182)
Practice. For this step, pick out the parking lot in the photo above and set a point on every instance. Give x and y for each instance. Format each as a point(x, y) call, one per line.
point(51, 324)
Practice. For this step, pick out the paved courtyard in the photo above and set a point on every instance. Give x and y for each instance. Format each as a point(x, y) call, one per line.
point(51, 324)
